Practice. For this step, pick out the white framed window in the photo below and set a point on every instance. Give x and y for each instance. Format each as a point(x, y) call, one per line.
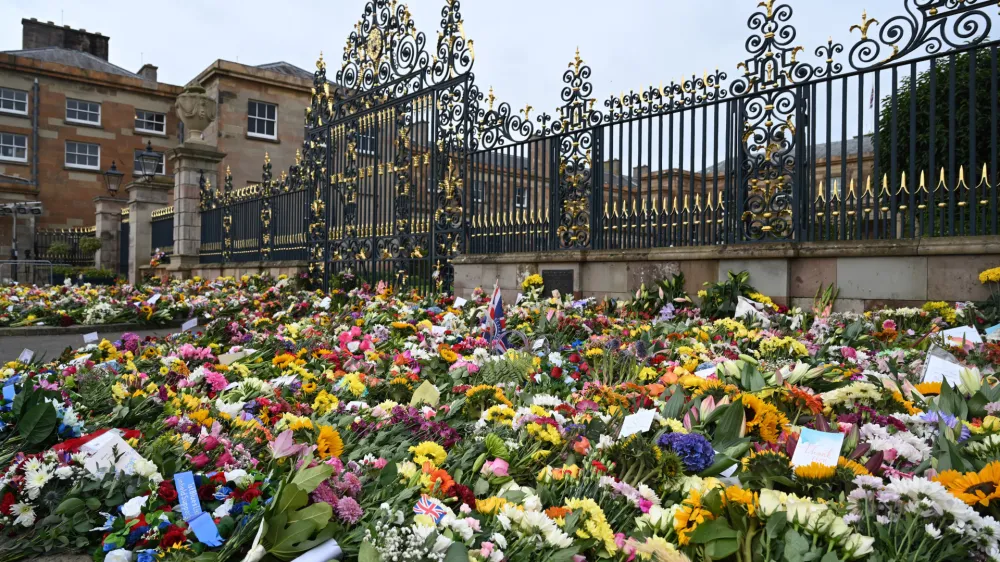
point(478, 192)
point(137, 164)
point(150, 122)
point(79, 111)
point(13, 101)
point(521, 198)
point(262, 120)
point(83, 155)
point(13, 147)
point(835, 187)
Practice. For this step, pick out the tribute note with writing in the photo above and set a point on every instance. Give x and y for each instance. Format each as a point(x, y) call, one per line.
point(817, 447)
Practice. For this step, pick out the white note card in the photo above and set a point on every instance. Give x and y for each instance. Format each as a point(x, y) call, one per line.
point(817, 447)
point(939, 370)
point(90, 338)
point(26, 356)
point(638, 422)
point(153, 299)
point(460, 302)
point(957, 335)
point(190, 324)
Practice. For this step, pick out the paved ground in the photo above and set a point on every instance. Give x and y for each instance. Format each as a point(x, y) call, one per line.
point(48, 347)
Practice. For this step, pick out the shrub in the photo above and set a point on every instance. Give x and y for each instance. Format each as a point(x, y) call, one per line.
point(59, 249)
point(90, 245)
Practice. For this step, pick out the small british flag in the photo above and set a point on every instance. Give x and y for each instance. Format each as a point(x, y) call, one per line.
point(427, 505)
point(494, 322)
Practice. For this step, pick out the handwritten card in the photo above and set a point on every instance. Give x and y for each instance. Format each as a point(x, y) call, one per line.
point(426, 393)
point(638, 422)
point(817, 447)
point(938, 369)
point(26, 356)
point(103, 450)
point(189, 325)
point(460, 302)
point(962, 334)
point(90, 338)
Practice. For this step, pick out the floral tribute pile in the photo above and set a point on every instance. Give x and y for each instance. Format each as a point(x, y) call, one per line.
point(374, 426)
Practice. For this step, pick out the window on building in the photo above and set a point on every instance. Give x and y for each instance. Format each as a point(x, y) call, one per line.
point(262, 120)
point(83, 155)
point(83, 112)
point(13, 148)
point(13, 101)
point(521, 198)
point(150, 122)
point(137, 165)
point(835, 187)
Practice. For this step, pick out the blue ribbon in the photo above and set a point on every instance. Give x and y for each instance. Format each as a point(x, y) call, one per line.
point(199, 521)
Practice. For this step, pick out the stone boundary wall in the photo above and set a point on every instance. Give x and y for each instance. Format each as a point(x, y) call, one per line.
point(869, 273)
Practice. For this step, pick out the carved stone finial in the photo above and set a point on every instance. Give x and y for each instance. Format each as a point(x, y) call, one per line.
point(197, 111)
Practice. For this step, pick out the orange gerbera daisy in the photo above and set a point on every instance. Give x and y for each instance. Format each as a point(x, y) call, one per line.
point(803, 399)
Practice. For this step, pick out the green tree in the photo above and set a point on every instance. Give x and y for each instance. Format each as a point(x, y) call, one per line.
point(922, 135)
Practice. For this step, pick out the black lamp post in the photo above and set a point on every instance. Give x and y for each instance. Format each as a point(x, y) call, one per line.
point(113, 179)
point(149, 161)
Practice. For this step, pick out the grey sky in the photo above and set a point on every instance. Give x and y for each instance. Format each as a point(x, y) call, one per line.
point(522, 46)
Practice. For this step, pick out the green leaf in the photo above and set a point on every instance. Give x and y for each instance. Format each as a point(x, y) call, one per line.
point(291, 498)
point(294, 533)
point(456, 553)
point(308, 479)
point(713, 530)
point(318, 514)
point(564, 555)
point(93, 504)
point(796, 546)
point(481, 487)
point(73, 505)
point(775, 525)
point(727, 433)
point(830, 557)
point(719, 549)
point(675, 405)
point(38, 423)
point(368, 553)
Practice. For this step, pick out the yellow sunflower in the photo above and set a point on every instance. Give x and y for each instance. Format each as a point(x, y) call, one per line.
point(973, 487)
point(815, 473)
point(329, 444)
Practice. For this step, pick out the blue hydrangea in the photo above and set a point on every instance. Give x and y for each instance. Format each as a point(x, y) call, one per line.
point(693, 449)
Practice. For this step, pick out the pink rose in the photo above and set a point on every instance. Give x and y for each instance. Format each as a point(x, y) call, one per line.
point(495, 467)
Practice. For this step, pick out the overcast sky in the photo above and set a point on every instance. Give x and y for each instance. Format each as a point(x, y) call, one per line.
point(522, 46)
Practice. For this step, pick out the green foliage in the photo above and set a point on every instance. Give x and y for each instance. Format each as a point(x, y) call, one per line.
point(89, 245)
point(293, 527)
point(59, 249)
point(665, 291)
point(922, 133)
point(720, 299)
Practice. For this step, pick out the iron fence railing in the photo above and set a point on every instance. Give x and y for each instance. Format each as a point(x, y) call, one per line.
point(162, 232)
point(891, 135)
point(62, 246)
point(260, 222)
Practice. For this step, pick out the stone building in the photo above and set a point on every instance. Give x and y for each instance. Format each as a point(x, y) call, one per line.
point(67, 113)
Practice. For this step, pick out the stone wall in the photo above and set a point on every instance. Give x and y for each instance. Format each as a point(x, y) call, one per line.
point(869, 273)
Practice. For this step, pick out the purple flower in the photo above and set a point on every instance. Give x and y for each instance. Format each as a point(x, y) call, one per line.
point(693, 449)
point(349, 511)
point(666, 313)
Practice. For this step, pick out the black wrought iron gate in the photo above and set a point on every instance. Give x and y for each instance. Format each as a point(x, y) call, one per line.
point(387, 156)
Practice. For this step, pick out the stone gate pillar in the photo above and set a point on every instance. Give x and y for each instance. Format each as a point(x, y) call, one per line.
point(143, 198)
point(190, 160)
point(107, 222)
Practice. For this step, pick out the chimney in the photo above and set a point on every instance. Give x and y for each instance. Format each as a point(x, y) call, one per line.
point(38, 35)
point(148, 72)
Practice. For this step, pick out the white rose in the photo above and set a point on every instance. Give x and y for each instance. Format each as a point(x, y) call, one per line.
point(64, 472)
point(770, 501)
point(120, 555)
point(133, 507)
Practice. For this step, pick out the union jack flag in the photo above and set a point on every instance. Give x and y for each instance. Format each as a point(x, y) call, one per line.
point(495, 324)
point(427, 505)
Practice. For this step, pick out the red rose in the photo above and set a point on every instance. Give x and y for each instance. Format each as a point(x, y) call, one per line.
point(167, 491)
point(8, 500)
point(250, 494)
point(574, 357)
point(206, 491)
point(557, 372)
point(174, 535)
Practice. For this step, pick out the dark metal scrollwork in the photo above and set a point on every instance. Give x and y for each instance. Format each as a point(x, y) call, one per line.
point(576, 120)
point(768, 144)
point(927, 25)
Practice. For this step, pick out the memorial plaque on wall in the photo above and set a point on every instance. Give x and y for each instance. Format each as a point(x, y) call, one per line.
point(558, 280)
